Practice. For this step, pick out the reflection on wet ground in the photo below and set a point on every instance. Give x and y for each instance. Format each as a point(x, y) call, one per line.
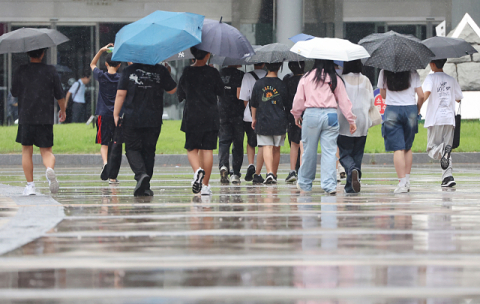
point(250, 244)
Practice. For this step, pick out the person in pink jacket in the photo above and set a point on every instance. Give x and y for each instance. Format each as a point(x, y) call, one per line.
point(319, 93)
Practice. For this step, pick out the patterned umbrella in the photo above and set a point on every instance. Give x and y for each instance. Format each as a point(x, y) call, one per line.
point(396, 52)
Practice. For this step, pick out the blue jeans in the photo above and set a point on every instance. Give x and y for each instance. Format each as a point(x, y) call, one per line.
point(319, 124)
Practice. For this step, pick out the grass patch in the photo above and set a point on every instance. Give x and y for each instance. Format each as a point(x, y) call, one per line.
point(80, 139)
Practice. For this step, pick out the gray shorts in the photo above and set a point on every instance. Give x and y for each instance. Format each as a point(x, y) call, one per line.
point(270, 140)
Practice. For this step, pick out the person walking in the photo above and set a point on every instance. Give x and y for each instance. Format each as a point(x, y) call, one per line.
point(248, 81)
point(140, 92)
point(199, 86)
point(269, 119)
point(352, 145)
point(37, 85)
point(400, 120)
point(294, 132)
point(108, 83)
point(319, 93)
point(77, 92)
point(443, 91)
point(231, 111)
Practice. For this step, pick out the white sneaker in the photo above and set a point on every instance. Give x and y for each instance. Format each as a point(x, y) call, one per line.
point(341, 172)
point(235, 179)
point(197, 180)
point(29, 190)
point(401, 189)
point(224, 175)
point(206, 190)
point(408, 186)
point(52, 180)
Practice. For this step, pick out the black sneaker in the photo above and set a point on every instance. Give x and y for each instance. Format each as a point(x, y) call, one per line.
point(142, 184)
point(257, 179)
point(104, 173)
point(355, 181)
point(269, 179)
point(250, 173)
point(445, 161)
point(224, 175)
point(448, 182)
point(292, 177)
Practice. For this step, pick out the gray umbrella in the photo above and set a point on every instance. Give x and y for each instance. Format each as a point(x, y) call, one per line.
point(29, 39)
point(274, 52)
point(446, 47)
point(222, 39)
point(396, 52)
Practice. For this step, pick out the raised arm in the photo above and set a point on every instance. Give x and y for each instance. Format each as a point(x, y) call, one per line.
point(95, 59)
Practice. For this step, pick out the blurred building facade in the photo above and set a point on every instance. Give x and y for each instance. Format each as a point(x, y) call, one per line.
point(91, 24)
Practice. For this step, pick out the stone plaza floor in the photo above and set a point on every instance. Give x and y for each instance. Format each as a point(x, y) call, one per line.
point(96, 243)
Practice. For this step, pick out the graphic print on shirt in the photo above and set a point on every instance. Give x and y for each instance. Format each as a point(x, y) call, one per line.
point(444, 94)
point(269, 93)
point(226, 80)
point(144, 79)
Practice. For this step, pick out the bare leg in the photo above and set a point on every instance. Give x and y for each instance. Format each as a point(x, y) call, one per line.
point(268, 158)
point(47, 157)
point(293, 155)
point(258, 169)
point(250, 154)
point(104, 153)
point(399, 161)
point(206, 157)
point(27, 162)
point(408, 161)
point(276, 160)
point(193, 159)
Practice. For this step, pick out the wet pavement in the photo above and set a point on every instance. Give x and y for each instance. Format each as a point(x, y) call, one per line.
point(244, 244)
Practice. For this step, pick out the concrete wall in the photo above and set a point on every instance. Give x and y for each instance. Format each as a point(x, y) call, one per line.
point(460, 7)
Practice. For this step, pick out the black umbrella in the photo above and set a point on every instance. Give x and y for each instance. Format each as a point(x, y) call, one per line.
point(29, 39)
point(180, 56)
point(222, 39)
point(396, 52)
point(446, 47)
point(274, 52)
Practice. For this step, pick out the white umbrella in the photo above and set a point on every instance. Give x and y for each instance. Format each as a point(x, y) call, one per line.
point(330, 49)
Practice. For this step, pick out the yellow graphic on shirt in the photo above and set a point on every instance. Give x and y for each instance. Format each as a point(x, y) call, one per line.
point(269, 93)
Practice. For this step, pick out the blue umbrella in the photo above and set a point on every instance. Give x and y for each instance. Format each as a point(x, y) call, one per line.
point(301, 37)
point(158, 36)
point(224, 40)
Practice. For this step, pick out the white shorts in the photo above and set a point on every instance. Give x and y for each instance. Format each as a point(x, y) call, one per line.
point(270, 140)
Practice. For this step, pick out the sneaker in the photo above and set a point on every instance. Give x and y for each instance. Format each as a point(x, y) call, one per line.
point(104, 173)
point(269, 179)
point(235, 179)
point(408, 186)
point(341, 171)
point(333, 192)
point(292, 177)
point(142, 184)
point(257, 179)
point(224, 175)
point(401, 189)
point(113, 181)
point(197, 180)
point(52, 180)
point(355, 180)
point(250, 173)
point(148, 192)
point(299, 188)
point(29, 190)
point(445, 161)
point(338, 177)
point(206, 190)
point(448, 181)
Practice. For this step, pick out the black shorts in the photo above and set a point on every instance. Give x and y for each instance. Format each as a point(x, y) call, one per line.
point(105, 130)
point(201, 140)
point(251, 135)
point(294, 134)
point(38, 135)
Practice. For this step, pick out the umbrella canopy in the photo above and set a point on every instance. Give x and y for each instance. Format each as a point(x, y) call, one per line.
point(226, 61)
point(224, 40)
point(330, 49)
point(446, 47)
point(274, 52)
point(186, 54)
point(157, 36)
point(29, 39)
point(301, 37)
point(395, 52)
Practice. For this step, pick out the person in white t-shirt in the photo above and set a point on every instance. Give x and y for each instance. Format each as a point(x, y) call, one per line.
point(400, 120)
point(245, 93)
point(78, 97)
point(443, 91)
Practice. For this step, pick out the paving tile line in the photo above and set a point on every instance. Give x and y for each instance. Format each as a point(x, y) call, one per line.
point(35, 216)
point(243, 293)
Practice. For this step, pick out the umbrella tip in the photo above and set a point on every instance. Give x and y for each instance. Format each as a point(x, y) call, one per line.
point(221, 19)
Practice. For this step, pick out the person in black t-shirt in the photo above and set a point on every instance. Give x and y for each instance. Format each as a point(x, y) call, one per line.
point(231, 125)
point(108, 83)
point(140, 93)
point(269, 119)
point(37, 85)
point(294, 132)
point(199, 86)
